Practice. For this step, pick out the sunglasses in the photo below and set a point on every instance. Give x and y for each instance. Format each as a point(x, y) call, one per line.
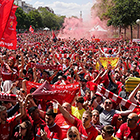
point(120, 119)
point(95, 115)
point(129, 119)
point(72, 136)
point(108, 103)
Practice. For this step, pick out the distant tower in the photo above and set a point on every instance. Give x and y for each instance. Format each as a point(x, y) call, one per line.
point(81, 16)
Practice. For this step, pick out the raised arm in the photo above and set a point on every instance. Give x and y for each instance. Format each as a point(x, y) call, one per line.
point(65, 113)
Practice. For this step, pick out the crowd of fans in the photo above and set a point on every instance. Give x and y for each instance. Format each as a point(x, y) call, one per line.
point(90, 116)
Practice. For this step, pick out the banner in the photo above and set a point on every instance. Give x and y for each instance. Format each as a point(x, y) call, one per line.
point(9, 39)
point(108, 60)
point(40, 66)
point(31, 29)
point(30, 85)
point(62, 93)
point(108, 94)
point(5, 9)
point(8, 97)
point(131, 83)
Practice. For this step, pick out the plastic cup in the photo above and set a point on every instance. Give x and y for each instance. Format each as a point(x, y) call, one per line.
point(55, 107)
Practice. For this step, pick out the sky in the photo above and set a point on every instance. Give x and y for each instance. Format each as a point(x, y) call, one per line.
point(66, 7)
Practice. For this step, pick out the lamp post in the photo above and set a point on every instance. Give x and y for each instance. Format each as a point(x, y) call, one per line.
point(138, 23)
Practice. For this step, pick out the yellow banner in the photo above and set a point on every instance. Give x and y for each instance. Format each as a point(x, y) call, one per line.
point(131, 83)
point(108, 60)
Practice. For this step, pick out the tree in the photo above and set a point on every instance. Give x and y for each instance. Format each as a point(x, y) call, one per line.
point(50, 19)
point(124, 13)
point(21, 16)
point(35, 19)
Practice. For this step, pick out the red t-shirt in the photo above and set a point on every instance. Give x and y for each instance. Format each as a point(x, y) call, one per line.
point(125, 132)
point(92, 133)
point(65, 125)
point(6, 129)
point(53, 132)
point(81, 129)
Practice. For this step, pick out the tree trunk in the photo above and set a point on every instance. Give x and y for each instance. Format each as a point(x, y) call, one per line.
point(124, 33)
point(119, 30)
point(138, 32)
point(131, 32)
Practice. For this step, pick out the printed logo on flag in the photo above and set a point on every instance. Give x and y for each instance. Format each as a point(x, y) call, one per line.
point(11, 24)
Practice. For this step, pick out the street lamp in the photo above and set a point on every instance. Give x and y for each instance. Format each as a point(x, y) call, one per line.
point(138, 23)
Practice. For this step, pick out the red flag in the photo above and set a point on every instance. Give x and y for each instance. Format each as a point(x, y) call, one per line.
point(62, 93)
point(5, 9)
point(9, 39)
point(31, 29)
point(53, 35)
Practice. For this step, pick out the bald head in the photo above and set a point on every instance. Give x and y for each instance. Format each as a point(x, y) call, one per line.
point(132, 120)
point(67, 106)
point(133, 116)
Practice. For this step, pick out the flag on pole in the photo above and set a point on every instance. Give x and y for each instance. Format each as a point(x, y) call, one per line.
point(5, 9)
point(8, 27)
point(54, 36)
point(31, 29)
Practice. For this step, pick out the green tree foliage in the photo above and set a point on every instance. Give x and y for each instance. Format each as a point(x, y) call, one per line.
point(21, 18)
point(38, 19)
point(119, 13)
point(51, 20)
point(35, 19)
point(123, 13)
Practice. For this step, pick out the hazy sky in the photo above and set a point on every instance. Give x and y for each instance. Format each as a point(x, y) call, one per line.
point(66, 7)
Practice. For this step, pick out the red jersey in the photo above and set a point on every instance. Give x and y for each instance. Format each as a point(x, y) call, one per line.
point(92, 133)
point(8, 74)
point(125, 132)
point(65, 125)
point(6, 129)
point(53, 132)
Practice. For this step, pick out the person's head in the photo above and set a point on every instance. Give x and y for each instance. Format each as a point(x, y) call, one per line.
point(88, 94)
point(86, 118)
point(117, 120)
point(25, 128)
point(132, 120)
point(34, 112)
point(45, 74)
point(11, 61)
point(138, 96)
point(117, 75)
point(107, 131)
point(95, 73)
point(60, 78)
point(73, 133)
point(3, 113)
point(87, 77)
point(79, 101)
point(67, 106)
point(50, 117)
point(99, 97)
point(108, 105)
point(30, 73)
point(7, 104)
point(83, 82)
point(95, 116)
